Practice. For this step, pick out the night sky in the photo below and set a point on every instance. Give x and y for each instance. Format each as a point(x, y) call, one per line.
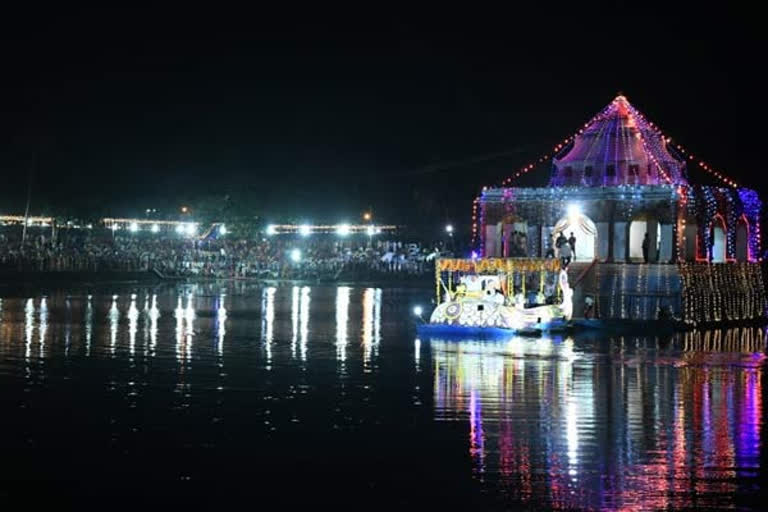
point(321, 115)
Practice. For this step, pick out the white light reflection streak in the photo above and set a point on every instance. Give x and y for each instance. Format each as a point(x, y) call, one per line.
point(189, 317)
point(367, 337)
point(342, 317)
point(178, 313)
point(268, 308)
point(114, 317)
point(133, 318)
point(376, 321)
point(88, 325)
point(154, 314)
point(221, 319)
point(304, 323)
point(67, 326)
point(417, 353)
point(29, 327)
point(571, 410)
point(43, 323)
point(145, 332)
point(294, 320)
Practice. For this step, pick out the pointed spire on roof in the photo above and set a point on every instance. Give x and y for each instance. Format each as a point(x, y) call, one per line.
point(618, 147)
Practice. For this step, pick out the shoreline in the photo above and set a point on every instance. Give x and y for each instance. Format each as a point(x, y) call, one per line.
point(101, 278)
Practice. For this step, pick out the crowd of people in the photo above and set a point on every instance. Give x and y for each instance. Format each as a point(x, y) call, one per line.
point(273, 257)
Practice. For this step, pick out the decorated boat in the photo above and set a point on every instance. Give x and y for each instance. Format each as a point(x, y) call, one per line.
point(493, 297)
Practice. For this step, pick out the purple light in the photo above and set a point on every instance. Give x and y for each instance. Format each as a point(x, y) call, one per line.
point(620, 141)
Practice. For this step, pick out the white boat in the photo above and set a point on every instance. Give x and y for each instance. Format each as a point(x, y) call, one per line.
point(489, 296)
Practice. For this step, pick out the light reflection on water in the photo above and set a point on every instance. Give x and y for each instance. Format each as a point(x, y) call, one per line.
point(652, 427)
point(562, 422)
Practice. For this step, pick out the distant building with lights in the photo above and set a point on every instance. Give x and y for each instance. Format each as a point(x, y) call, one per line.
point(623, 189)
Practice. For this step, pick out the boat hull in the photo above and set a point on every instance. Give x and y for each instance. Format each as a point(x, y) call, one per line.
point(464, 331)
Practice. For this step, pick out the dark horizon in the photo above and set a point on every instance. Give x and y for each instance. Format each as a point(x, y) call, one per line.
point(126, 111)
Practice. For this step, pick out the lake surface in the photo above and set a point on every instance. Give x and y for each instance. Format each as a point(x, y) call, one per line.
point(237, 393)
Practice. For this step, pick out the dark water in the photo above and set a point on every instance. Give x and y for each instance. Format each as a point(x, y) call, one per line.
point(214, 394)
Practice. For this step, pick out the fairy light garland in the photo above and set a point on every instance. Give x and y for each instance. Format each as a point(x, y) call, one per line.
point(651, 151)
point(738, 208)
point(690, 156)
point(704, 165)
point(474, 220)
point(721, 292)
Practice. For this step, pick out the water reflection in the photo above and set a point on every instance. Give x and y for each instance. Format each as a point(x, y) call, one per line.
point(221, 327)
point(294, 319)
point(88, 324)
point(304, 323)
point(29, 327)
point(267, 326)
point(133, 326)
point(546, 421)
point(342, 318)
point(564, 422)
point(114, 318)
point(154, 315)
point(371, 324)
point(43, 324)
point(185, 319)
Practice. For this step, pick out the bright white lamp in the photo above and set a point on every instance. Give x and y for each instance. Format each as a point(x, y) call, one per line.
point(343, 229)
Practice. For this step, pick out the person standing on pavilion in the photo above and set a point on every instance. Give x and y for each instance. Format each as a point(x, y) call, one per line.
point(572, 243)
point(645, 247)
point(560, 241)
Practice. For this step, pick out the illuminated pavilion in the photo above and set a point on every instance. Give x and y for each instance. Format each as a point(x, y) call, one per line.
point(614, 181)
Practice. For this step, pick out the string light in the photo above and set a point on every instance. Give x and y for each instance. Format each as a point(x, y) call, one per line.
point(721, 292)
point(474, 220)
point(718, 297)
point(691, 157)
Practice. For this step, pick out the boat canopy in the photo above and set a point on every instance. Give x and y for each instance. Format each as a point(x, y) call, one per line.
point(482, 265)
point(510, 276)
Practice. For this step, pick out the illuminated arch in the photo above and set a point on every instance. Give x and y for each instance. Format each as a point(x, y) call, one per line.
point(638, 227)
point(585, 232)
point(718, 240)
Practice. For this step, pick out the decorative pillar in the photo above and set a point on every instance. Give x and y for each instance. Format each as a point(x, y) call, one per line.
point(691, 234)
point(666, 243)
point(506, 239)
point(492, 248)
point(603, 240)
point(619, 242)
point(652, 228)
